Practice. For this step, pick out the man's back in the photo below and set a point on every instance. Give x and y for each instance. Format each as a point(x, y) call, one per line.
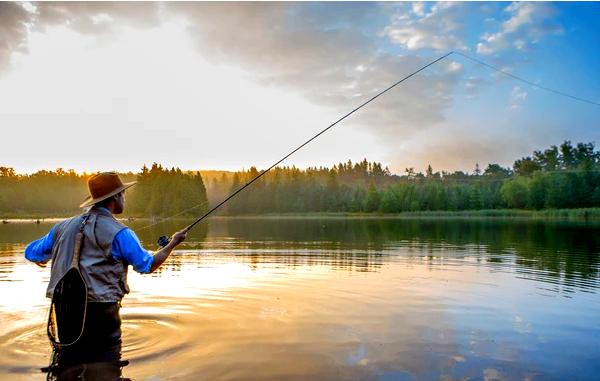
point(106, 277)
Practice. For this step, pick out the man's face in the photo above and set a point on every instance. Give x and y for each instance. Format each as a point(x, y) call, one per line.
point(119, 203)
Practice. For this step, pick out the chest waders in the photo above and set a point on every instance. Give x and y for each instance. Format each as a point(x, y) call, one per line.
point(66, 320)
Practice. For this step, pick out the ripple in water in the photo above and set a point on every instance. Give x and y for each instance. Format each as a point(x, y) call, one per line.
point(342, 300)
point(151, 333)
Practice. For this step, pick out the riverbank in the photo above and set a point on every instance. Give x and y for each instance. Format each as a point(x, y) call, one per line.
point(579, 214)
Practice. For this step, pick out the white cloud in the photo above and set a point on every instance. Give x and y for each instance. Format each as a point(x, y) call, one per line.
point(474, 85)
point(483, 48)
point(14, 22)
point(284, 47)
point(18, 20)
point(454, 66)
point(527, 23)
point(319, 56)
point(519, 44)
point(418, 8)
point(434, 30)
point(517, 97)
point(334, 67)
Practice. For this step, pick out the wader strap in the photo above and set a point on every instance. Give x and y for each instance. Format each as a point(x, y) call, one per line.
point(79, 243)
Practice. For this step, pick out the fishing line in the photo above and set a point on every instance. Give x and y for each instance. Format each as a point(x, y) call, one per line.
point(164, 240)
point(557, 92)
point(160, 220)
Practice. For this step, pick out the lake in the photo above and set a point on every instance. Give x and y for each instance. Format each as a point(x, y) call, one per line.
point(338, 299)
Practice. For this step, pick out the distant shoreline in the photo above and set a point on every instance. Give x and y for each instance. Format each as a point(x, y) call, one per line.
point(579, 214)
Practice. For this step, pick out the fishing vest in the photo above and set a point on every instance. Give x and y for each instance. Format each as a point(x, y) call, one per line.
point(106, 278)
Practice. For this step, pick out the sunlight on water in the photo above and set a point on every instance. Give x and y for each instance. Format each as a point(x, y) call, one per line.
point(340, 300)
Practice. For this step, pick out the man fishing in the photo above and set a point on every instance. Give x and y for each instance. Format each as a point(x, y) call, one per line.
point(106, 248)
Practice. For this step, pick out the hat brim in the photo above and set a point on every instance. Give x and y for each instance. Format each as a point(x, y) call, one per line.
point(89, 201)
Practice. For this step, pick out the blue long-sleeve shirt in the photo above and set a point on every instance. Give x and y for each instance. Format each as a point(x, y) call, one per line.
point(126, 246)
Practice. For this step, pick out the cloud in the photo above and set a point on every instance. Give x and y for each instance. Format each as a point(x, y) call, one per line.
point(334, 63)
point(330, 53)
point(17, 20)
point(418, 8)
point(474, 85)
point(14, 21)
point(334, 54)
point(436, 29)
point(459, 147)
point(517, 97)
point(96, 17)
point(527, 23)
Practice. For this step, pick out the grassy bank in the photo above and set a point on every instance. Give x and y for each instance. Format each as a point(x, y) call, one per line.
point(580, 214)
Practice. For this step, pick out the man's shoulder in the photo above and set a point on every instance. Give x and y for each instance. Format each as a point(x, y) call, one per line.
point(107, 217)
point(67, 221)
point(107, 227)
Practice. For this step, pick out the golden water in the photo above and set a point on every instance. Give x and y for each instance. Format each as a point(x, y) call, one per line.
point(339, 299)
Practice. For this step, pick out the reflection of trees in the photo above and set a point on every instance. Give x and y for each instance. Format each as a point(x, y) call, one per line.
point(23, 232)
point(563, 253)
point(560, 252)
point(336, 260)
point(149, 233)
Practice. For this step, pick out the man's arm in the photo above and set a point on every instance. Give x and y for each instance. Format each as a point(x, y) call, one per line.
point(161, 255)
point(127, 246)
point(40, 251)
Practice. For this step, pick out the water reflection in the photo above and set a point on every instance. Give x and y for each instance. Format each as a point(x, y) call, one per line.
point(339, 299)
point(558, 252)
point(66, 367)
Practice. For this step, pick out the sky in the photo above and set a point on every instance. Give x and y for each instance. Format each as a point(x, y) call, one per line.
point(114, 86)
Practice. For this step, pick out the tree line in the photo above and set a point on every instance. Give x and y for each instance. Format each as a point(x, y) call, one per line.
point(159, 192)
point(564, 176)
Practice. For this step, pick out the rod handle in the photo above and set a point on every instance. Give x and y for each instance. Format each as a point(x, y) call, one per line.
point(163, 241)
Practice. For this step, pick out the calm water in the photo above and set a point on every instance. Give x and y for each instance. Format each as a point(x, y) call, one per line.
point(339, 299)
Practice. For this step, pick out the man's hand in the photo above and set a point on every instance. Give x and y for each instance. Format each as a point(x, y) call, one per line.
point(41, 264)
point(179, 237)
point(161, 255)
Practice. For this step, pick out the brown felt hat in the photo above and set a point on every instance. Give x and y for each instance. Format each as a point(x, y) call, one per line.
point(102, 186)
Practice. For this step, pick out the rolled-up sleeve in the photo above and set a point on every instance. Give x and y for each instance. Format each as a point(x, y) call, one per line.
point(127, 246)
point(41, 250)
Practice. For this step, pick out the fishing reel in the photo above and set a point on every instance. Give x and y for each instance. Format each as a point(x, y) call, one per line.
point(163, 241)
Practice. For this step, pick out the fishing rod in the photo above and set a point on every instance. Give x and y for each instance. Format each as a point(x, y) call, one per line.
point(164, 240)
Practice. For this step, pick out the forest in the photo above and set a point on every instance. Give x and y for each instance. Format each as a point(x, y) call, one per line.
point(559, 177)
point(159, 192)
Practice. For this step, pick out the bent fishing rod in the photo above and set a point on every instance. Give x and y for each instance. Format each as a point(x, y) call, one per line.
point(164, 240)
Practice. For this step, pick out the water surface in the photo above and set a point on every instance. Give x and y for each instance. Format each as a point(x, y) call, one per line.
point(339, 299)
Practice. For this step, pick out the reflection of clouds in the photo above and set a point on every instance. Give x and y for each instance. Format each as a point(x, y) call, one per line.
point(521, 326)
point(491, 374)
